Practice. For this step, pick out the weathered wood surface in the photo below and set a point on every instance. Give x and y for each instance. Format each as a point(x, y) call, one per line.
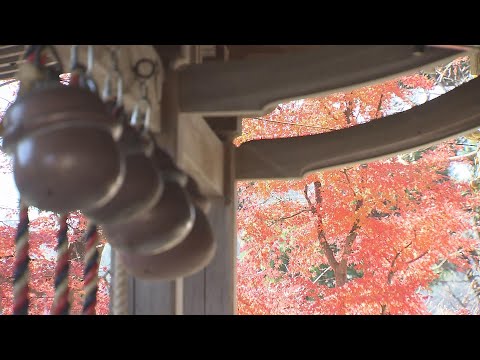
point(210, 291)
point(255, 86)
point(152, 297)
point(452, 114)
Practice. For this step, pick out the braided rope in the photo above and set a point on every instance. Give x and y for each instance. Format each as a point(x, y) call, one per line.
point(120, 288)
point(21, 271)
point(90, 272)
point(61, 303)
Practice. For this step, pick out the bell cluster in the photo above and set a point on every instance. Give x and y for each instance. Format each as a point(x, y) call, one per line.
point(74, 149)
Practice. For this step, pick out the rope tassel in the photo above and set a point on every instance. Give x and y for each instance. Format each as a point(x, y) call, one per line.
point(61, 303)
point(21, 271)
point(90, 273)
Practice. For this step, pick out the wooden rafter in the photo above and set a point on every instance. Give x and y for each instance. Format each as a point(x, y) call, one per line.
point(255, 86)
point(452, 114)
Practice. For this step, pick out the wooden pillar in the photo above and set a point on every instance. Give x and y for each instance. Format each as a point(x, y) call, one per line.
point(205, 151)
point(212, 290)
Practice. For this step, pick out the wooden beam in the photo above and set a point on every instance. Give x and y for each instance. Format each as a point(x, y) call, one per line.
point(225, 126)
point(255, 86)
point(190, 141)
point(193, 145)
point(452, 114)
point(213, 291)
point(128, 56)
point(198, 151)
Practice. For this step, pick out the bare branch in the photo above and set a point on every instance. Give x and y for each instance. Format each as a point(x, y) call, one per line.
point(455, 296)
point(467, 155)
point(320, 231)
point(294, 124)
point(8, 82)
point(418, 257)
point(305, 193)
point(379, 107)
point(392, 265)
point(288, 217)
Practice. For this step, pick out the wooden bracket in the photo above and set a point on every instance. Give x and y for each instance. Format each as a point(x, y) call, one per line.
point(452, 114)
point(187, 137)
point(255, 86)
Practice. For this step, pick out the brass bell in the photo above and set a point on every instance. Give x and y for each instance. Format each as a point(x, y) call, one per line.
point(62, 141)
point(187, 258)
point(162, 227)
point(143, 183)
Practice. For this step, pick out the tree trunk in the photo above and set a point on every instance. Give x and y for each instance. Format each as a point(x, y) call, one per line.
point(339, 268)
point(340, 275)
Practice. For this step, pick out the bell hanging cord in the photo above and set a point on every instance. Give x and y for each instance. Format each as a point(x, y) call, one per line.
point(90, 273)
point(144, 70)
point(142, 112)
point(114, 100)
point(21, 271)
point(81, 75)
point(61, 301)
point(120, 287)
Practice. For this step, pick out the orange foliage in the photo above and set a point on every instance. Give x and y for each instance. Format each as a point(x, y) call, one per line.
point(360, 240)
point(42, 242)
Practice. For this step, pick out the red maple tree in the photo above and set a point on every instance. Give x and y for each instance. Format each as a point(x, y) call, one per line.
point(359, 240)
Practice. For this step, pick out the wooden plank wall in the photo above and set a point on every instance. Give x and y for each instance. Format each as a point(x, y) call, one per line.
point(211, 291)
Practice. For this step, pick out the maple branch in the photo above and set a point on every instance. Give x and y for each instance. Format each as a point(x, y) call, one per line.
point(418, 257)
point(348, 112)
point(328, 251)
point(8, 208)
point(288, 217)
point(465, 144)
point(305, 193)
point(8, 82)
point(293, 124)
point(467, 155)
point(392, 264)
point(384, 309)
point(379, 107)
point(455, 296)
point(344, 171)
point(320, 232)
point(352, 235)
point(460, 251)
point(6, 100)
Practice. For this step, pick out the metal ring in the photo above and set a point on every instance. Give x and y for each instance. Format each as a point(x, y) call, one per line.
point(136, 68)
